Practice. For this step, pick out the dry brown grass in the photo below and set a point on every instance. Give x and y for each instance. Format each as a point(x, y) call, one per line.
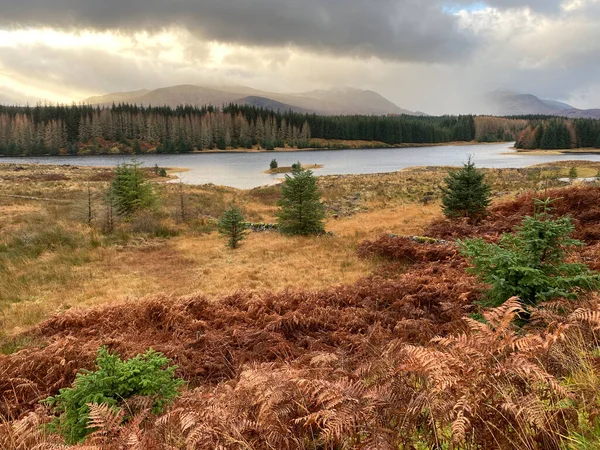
point(403, 219)
point(191, 264)
point(366, 206)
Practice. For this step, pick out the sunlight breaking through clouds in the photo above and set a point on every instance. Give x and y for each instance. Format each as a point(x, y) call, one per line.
point(427, 56)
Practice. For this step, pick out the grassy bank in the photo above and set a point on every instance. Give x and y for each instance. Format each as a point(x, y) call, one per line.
point(345, 144)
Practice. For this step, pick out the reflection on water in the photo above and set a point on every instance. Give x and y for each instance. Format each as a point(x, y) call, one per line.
point(246, 170)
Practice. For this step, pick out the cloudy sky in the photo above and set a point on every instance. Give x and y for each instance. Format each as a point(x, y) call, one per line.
point(429, 55)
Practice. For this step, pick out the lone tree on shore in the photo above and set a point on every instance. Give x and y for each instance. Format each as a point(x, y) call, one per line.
point(300, 209)
point(233, 226)
point(466, 193)
point(274, 165)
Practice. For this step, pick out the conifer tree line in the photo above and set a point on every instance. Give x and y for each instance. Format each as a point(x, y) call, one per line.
point(131, 129)
point(84, 129)
point(123, 128)
point(558, 133)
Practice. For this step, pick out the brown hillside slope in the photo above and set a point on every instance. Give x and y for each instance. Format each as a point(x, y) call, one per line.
point(582, 204)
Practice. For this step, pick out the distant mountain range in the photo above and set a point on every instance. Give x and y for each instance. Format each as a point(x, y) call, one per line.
point(505, 102)
point(344, 101)
point(327, 102)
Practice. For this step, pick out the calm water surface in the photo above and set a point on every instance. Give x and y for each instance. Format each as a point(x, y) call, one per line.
point(246, 170)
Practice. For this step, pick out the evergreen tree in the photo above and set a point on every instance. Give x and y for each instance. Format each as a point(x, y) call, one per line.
point(274, 165)
point(466, 193)
point(233, 226)
point(300, 209)
point(130, 191)
point(550, 138)
point(573, 173)
point(136, 148)
point(539, 134)
point(532, 263)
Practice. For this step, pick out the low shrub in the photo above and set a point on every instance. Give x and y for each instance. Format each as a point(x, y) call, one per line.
point(149, 222)
point(408, 250)
point(114, 382)
point(532, 262)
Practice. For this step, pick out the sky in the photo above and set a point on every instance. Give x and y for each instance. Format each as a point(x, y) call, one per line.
point(434, 56)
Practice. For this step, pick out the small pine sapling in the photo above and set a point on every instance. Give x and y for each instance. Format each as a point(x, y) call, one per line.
point(573, 173)
point(300, 209)
point(130, 191)
point(466, 194)
point(232, 225)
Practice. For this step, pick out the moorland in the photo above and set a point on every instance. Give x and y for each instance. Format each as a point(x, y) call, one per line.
point(364, 337)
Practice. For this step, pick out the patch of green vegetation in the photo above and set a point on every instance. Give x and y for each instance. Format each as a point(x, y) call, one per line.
point(233, 226)
point(532, 263)
point(300, 209)
point(114, 381)
point(16, 344)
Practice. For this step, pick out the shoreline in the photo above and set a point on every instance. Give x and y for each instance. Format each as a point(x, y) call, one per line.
point(367, 146)
point(566, 151)
point(175, 173)
point(284, 170)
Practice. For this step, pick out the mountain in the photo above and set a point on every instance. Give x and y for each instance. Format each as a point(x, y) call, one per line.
point(505, 102)
point(355, 100)
point(558, 105)
point(327, 102)
point(116, 98)
point(267, 103)
point(508, 103)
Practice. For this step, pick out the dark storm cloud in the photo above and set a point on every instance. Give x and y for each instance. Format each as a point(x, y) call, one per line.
point(411, 30)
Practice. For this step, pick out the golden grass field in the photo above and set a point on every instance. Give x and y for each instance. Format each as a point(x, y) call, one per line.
point(51, 260)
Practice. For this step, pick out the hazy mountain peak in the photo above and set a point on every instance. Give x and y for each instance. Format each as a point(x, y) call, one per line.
point(344, 100)
point(504, 91)
point(505, 102)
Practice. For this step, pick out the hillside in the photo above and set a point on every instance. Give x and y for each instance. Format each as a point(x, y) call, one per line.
point(505, 102)
point(267, 103)
point(327, 102)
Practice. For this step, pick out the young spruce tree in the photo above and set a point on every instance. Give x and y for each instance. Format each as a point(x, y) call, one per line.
point(130, 191)
point(466, 193)
point(300, 209)
point(532, 263)
point(233, 226)
point(573, 173)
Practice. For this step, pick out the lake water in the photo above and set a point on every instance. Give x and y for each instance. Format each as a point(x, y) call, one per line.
point(246, 170)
